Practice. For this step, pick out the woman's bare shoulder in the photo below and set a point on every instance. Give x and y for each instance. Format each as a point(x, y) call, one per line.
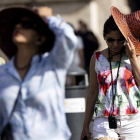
point(105, 53)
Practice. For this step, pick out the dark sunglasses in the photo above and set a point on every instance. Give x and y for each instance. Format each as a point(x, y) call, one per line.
point(27, 24)
point(111, 40)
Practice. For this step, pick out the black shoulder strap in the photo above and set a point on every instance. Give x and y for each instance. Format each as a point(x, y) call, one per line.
point(15, 104)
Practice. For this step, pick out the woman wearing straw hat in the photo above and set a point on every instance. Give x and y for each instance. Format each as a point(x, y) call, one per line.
point(40, 48)
point(114, 90)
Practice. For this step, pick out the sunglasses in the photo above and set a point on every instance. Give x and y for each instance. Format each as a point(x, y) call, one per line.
point(26, 24)
point(111, 40)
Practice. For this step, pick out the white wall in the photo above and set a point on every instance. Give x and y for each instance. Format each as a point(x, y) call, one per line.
point(82, 13)
point(100, 11)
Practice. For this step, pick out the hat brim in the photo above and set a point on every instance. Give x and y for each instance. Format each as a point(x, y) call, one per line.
point(120, 20)
point(6, 18)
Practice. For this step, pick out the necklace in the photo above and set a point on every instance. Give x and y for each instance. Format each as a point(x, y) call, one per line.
point(110, 56)
point(112, 77)
point(21, 68)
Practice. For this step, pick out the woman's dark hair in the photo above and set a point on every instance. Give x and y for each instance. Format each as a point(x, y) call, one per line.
point(109, 26)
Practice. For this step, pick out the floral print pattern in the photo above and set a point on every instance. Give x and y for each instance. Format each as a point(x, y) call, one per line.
point(127, 96)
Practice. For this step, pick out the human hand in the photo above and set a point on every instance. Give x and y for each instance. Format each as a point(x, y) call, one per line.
point(130, 49)
point(44, 11)
point(84, 133)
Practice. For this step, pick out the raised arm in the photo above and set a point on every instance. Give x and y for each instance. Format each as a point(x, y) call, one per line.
point(91, 98)
point(65, 42)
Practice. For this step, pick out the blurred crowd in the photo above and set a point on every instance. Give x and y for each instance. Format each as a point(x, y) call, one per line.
point(86, 46)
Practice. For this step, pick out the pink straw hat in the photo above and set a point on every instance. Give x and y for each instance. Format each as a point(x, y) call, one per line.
point(129, 25)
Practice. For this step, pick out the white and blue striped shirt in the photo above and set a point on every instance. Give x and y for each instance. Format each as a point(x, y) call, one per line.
point(39, 114)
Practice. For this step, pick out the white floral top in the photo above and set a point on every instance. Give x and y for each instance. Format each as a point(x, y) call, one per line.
point(127, 98)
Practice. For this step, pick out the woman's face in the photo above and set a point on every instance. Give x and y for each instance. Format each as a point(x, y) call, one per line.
point(24, 33)
point(115, 41)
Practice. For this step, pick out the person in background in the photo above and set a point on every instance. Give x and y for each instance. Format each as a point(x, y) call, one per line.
point(114, 96)
point(90, 43)
point(78, 60)
point(79, 54)
point(40, 48)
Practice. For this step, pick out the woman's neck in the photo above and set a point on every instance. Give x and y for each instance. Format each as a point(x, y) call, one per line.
point(25, 54)
point(23, 59)
point(115, 56)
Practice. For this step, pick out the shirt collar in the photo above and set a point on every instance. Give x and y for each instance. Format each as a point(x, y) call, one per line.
point(36, 58)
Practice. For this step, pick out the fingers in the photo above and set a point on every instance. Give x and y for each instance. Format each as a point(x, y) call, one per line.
point(44, 11)
point(130, 44)
point(89, 136)
point(130, 49)
point(86, 137)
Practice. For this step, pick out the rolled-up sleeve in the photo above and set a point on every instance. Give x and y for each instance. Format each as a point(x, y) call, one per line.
point(65, 42)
